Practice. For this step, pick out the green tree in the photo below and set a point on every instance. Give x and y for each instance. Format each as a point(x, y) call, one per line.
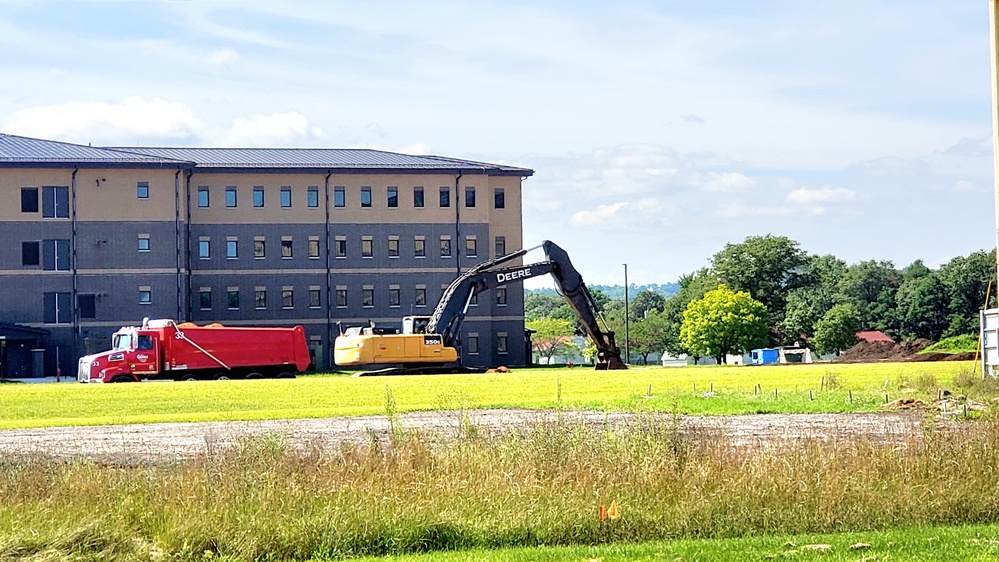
point(922, 307)
point(820, 276)
point(724, 322)
point(966, 280)
point(767, 267)
point(693, 286)
point(550, 335)
point(870, 286)
point(650, 335)
point(644, 303)
point(538, 305)
point(837, 330)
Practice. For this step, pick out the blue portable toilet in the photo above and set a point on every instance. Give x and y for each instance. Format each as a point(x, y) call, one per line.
point(765, 356)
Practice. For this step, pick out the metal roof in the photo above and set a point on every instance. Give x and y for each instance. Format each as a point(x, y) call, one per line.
point(15, 150)
point(340, 159)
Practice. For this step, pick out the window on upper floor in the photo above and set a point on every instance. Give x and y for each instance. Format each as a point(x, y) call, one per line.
point(286, 196)
point(29, 199)
point(418, 197)
point(339, 196)
point(469, 196)
point(499, 198)
point(230, 196)
point(445, 197)
point(394, 297)
point(365, 196)
point(340, 247)
point(421, 296)
point(286, 249)
point(445, 247)
point(143, 242)
point(471, 247)
point(393, 196)
point(313, 247)
point(203, 197)
point(259, 248)
point(313, 197)
point(232, 299)
point(393, 246)
point(231, 249)
point(260, 298)
point(258, 196)
point(287, 297)
point(501, 296)
point(145, 295)
point(58, 308)
point(87, 304)
point(341, 297)
point(204, 249)
point(142, 190)
point(419, 247)
point(55, 202)
point(366, 247)
point(368, 297)
point(31, 253)
point(314, 298)
point(55, 255)
point(205, 299)
point(500, 246)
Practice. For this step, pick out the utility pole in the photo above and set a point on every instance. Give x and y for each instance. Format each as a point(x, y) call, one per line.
point(627, 320)
point(993, 27)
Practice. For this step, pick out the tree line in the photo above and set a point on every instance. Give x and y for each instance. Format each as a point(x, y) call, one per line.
point(767, 291)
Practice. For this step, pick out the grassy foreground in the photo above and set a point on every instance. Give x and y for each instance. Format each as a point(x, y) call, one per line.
point(540, 488)
point(692, 390)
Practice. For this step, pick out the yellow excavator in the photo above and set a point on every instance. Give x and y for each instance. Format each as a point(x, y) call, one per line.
point(426, 344)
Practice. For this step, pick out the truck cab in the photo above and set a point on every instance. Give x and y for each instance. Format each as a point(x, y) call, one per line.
point(134, 354)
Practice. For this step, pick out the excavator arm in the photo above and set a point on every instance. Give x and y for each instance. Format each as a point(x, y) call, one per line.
point(450, 311)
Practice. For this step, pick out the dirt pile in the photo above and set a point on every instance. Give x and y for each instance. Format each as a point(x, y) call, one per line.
point(878, 351)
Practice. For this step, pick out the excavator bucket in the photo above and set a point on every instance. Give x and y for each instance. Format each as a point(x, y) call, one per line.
point(609, 362)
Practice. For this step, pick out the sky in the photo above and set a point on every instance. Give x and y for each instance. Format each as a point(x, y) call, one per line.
point(659, 131)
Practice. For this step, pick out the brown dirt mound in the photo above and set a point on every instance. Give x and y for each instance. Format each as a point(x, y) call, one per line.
point(872, 352)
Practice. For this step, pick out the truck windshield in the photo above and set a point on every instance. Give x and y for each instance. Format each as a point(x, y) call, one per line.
point(122, 342)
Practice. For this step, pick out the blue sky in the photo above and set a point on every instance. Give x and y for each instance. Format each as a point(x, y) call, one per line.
point(658, 131)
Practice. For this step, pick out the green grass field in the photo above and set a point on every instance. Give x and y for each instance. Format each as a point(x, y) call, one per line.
point(729, 390)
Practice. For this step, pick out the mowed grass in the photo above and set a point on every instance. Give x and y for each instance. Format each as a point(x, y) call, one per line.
point(693, 390)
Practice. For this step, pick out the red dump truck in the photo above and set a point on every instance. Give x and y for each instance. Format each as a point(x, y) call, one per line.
point(163, 349)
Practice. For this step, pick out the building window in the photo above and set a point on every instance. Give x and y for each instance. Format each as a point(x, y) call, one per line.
point(473, 343)
point(501, 296)
point(55, 202)
point(145, 295)
point(500, 246)
point(259, 248)
point(471, 247)
point(339, 197)
point(287, 298)
point(420, 247)
point(341, 247)
point(260, 298)
point(365, 196)
point(469, 196)
point(258, 196)
point(58, 308)
point(87, 304)
point(313, 197)
point(313, 247)
point(286, 249)
point(418, 197)
point(445, 197)
point(421, 296)
point(205, 299)
point(203, 200)
point(31, 253)
point(29, 199)
point(395, 298)
point(231, 249)
point(366, 247)
point(393, 247)
point(204, 249)
point(142, 190)
point(314, 301)
point(55, 255)
point(393, 197)
point(285, 196)
point(143, 242)
point(499, 198)
point(368, 296)
point(230, 196)
point(232, 299)
point(341, 297)
point(501, 342)
point(445, 247)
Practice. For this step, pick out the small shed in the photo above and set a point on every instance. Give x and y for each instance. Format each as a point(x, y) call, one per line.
point(764, 356)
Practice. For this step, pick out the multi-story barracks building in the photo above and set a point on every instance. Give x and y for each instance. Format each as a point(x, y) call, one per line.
point(92, 239)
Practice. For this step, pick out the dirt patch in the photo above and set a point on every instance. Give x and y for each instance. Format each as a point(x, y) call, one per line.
point(167, 442)
point(878, 351)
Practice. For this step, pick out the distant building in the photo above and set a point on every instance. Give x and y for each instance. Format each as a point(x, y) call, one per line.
point(96, 238)
point(873, 336)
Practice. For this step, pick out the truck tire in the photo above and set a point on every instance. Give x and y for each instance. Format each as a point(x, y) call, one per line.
point(285, 375)
point(189, 377)
point(122, 378)
point(221, 376)
point(254, 376)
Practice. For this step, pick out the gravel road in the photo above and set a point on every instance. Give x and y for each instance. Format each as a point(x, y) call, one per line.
point(164, 442)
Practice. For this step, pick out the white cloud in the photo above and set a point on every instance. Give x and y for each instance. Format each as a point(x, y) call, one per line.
point(276, 129)
point(804, 196)
point(106, 123)
point(599, 216)
point(723, 182)
point(222, 57)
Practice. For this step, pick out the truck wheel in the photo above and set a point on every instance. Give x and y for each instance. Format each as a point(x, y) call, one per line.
point(188, 377)
point(285, 375)
point(254, 376)
point(222, 376)
point(122, 378)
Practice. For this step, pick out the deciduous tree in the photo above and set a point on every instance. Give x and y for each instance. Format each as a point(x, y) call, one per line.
point(550, 335)
point(837, 330)
point(724, 322)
